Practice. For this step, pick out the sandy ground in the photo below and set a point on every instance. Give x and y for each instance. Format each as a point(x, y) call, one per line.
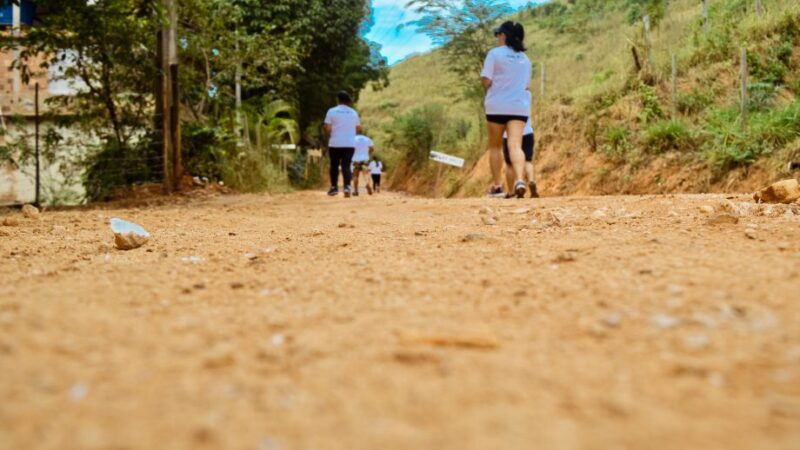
point(389, 322)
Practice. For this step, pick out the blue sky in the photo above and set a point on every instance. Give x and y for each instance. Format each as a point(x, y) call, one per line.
point(397, 44)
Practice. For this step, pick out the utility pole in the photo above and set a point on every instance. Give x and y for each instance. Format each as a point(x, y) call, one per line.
point(36, 146)
point(167, 97)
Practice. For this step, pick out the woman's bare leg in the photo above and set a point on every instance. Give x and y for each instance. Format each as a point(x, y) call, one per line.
point(495, 147)
point(515, 128)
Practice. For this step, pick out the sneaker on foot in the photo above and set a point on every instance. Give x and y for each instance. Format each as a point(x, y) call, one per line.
point(534, 191)
point(497, 192)
point(347, 191)
point(355, 193)
point(519, 189)
point(333, 191)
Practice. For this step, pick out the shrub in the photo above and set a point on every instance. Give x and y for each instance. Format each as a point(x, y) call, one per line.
point(730, 146)
point(693, 102)
point(115, 166)
point(204, 149)
point(761, 95)
point(651, 108)
point(667, 135)
point(616, 142)
point(417, 132)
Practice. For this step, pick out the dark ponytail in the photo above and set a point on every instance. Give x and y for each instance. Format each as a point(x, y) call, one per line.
point(515, 38)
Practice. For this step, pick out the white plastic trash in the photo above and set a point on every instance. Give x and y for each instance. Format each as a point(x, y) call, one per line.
point(128, 235)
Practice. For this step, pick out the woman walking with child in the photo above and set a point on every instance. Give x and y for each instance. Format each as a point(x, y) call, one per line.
point(506, 76)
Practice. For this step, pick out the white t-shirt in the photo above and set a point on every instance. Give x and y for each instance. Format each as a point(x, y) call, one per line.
point(343, 121)
point(362, 144)
point(375, 167)
point(510, 73)
point(528, 125)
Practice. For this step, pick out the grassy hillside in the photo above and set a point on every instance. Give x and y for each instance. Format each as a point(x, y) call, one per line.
point(604, 127)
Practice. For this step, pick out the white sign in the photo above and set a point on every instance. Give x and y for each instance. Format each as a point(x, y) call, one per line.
point(447, 159)
point(285, 146)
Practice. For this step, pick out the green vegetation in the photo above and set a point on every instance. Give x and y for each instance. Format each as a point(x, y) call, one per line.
point(289, 55)
point(667, 135)
point(629, 116)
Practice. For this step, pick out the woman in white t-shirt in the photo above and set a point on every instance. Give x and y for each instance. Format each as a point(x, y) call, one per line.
point(506, 76)
point(342, 125)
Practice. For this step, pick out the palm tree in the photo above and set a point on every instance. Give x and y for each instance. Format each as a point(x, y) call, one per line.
point(270, 122)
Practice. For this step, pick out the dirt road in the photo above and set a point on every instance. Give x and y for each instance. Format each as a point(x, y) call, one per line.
point(303, 322)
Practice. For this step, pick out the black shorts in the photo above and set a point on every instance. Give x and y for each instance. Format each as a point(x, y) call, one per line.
point(360, 165)
point(528, 143)
point(503, 119)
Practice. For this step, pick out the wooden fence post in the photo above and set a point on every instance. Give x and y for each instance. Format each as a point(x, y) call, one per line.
point(744, 89)
point(674, 85)
point(759, 8)
point(705, 15)
point(542, 83)
point(647, 44)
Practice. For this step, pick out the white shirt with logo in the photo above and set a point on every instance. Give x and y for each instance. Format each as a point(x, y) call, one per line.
point(375, 167)
point(510, 73)
point(343, 121)
point(362, 145)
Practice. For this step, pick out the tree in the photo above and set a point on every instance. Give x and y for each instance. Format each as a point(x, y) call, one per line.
point(463, 28)
point(101, 46)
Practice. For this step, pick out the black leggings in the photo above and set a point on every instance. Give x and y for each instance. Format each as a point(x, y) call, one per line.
point(376, 180)
point(341, 156)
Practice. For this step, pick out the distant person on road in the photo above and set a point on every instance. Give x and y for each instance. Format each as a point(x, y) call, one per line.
point(341, 125)
point(376, 169)
point(364, 149)
point(506, 76)
point(528, 144)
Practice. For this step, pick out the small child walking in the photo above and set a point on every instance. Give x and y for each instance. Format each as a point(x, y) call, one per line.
point(375, 169)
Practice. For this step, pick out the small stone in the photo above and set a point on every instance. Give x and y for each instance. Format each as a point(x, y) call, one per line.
point(192, 259)
point(78, 392)
point(30, 212)
point(420, 233)
point(4, 233)
point(696, 341)
point(237, 285)
point(278, 340)
point(521, 211)
point(722, 219)
point(751, 234)
point(599, 214)
point(613, 320)
point(199, 286)
point(10, 222)
point(220, 355)
point(708, 209)
point(664, 321)
point(342, 225)
point(488, 220)
point(472, 237)
point(568, 256)
point(316, 233)
point(783, 246)
point(485, 210)
point(251, 256)
point(785, 191)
